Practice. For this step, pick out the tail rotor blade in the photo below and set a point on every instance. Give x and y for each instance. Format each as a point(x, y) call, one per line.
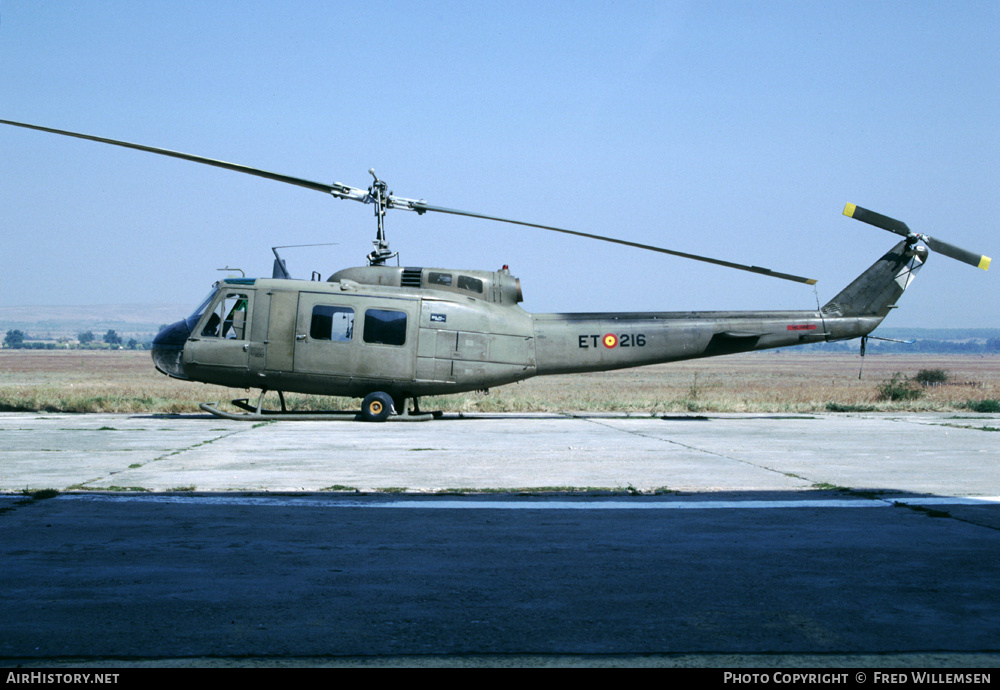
point(877, 219)
point(957, 253)
point(900, 228)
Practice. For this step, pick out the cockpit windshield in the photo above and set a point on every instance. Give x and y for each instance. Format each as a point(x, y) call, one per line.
point(196, 314)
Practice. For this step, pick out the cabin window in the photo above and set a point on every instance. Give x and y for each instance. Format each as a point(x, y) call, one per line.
point(470, 284)
point(228, 319)
point(385, 327)
point(332, 323)
point(439, 279)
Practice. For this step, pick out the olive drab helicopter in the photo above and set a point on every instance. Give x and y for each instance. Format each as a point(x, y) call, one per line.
point(393, 334)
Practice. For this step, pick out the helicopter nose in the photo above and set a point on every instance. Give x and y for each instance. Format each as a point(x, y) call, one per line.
point(168, 349)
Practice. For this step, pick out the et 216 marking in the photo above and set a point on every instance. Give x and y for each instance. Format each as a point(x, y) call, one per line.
point(611, 341)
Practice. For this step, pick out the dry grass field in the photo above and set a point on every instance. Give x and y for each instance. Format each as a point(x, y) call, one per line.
point(125, 381)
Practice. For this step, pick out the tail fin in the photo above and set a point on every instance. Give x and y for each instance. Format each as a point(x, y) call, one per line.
point(874, 292)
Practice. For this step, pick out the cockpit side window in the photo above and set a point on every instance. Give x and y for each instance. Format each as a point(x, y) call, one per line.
point(228, 319)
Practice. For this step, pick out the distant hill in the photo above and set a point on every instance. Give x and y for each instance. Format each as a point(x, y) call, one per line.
point(141, 321)
point(939, 333)
point(968, 341)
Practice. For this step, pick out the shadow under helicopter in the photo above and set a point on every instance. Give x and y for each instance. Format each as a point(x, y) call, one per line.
point(536, 573)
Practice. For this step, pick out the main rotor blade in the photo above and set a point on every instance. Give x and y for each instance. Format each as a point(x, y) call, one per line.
point(345, 192)
point(336, 188)
point(421, 207)
point(900, 228)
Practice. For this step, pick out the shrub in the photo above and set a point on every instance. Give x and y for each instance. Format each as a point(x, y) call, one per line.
point(849, 407)
point(983, 405)
point(899, 387)
point(931, 377)
point(14, 338)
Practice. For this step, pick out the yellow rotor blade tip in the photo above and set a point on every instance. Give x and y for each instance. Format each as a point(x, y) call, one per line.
point(984, 263)
point(849, 210)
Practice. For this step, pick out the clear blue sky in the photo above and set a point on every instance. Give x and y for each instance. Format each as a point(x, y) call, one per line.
point(731, 129)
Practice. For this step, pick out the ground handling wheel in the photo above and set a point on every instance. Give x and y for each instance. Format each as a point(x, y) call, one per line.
point(376, 407)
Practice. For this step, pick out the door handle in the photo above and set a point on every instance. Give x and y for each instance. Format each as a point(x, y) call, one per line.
point(300, 337)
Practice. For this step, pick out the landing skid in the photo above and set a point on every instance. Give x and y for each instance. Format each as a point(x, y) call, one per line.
point(256, 413)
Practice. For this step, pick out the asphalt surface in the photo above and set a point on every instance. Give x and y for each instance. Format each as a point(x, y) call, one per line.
point(724, 540)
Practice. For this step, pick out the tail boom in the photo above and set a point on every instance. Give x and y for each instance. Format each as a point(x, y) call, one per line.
point(571, 343)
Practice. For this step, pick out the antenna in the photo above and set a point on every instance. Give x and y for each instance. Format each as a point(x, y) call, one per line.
point(280, 270)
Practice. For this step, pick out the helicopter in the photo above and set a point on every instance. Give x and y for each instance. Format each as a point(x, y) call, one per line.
point(390, 335)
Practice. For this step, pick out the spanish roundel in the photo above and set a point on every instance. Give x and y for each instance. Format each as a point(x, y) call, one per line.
point(610, 340)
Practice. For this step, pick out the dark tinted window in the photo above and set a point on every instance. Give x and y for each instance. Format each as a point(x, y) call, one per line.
point(471, 284)
point(385, 327)
point(332, 323)
point(439, 278)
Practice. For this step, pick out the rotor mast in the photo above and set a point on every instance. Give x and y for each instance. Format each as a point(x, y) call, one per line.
point(380, 196)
